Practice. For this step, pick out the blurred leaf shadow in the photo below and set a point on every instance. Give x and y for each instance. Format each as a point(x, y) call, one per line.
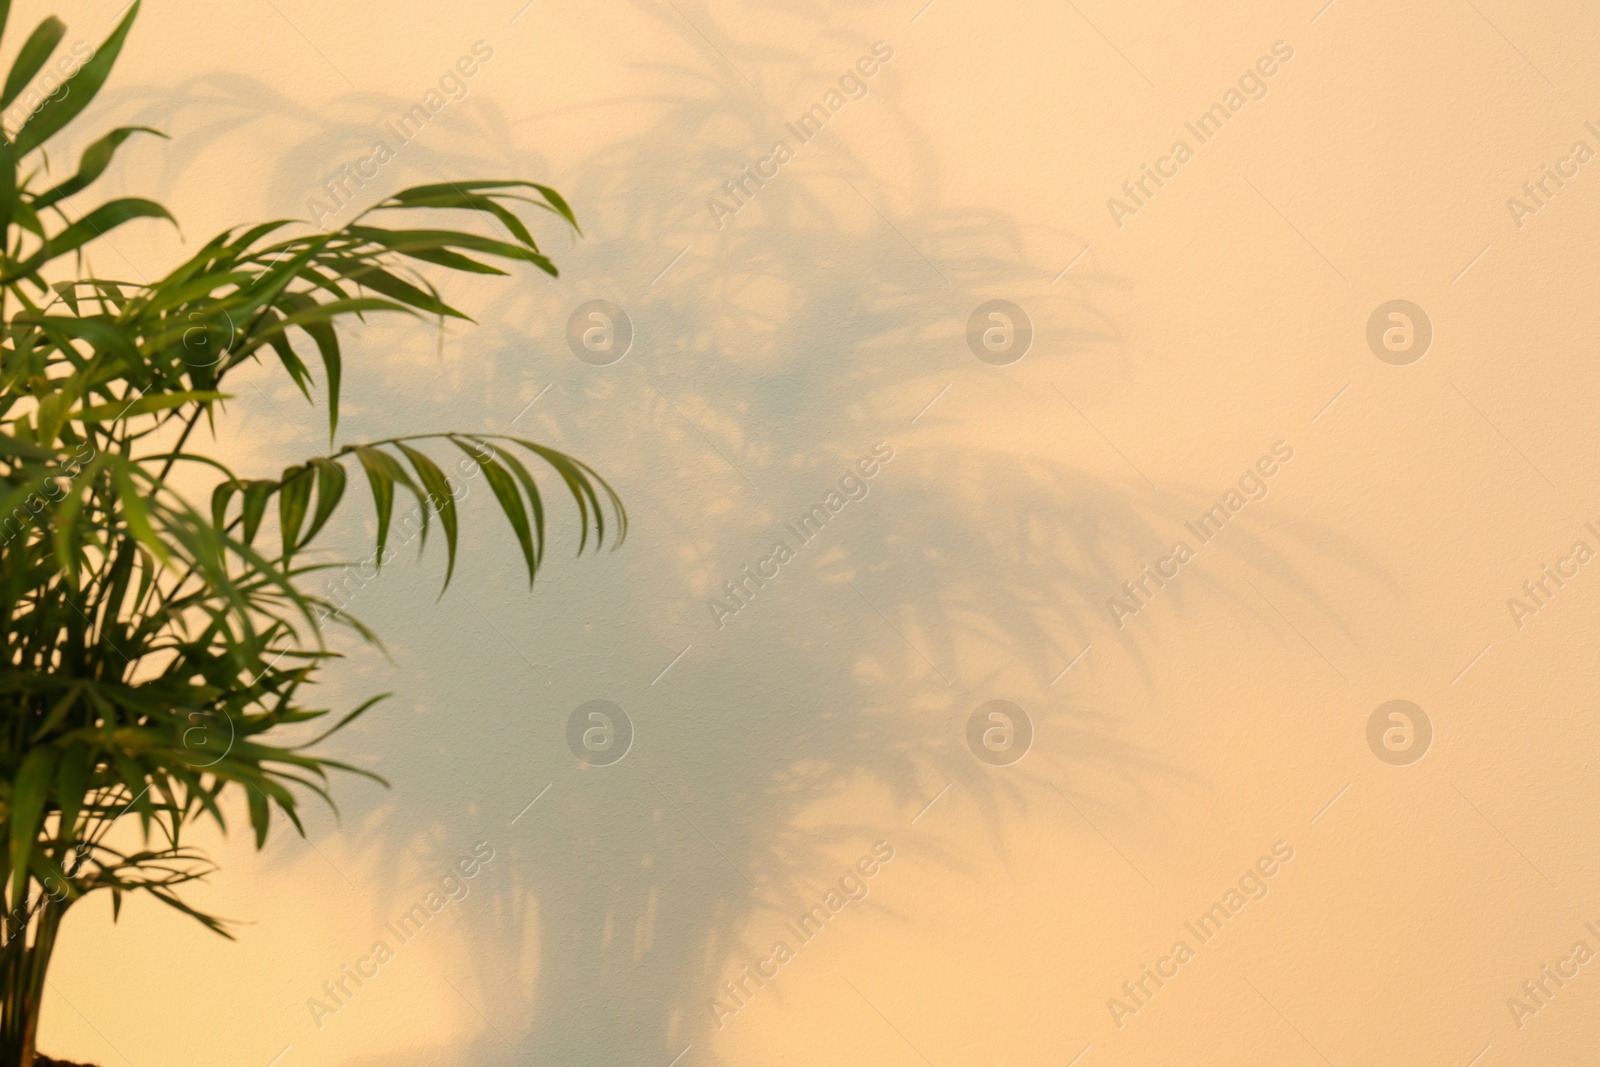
point(768, 355)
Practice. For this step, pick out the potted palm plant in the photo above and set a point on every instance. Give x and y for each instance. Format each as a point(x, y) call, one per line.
point(155, 651)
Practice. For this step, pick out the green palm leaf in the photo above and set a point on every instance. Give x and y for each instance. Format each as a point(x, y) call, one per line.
point(152, 651)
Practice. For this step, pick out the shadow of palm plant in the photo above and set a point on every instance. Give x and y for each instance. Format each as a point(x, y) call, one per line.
point(767, 357)
point(758, 373)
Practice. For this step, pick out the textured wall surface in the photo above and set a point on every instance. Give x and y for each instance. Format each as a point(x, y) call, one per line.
point(1285, 413)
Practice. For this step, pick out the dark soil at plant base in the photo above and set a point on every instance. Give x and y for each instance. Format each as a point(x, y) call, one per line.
point(46, 1061)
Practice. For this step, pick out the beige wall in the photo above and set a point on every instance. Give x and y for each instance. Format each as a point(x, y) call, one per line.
point(1173, 348)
